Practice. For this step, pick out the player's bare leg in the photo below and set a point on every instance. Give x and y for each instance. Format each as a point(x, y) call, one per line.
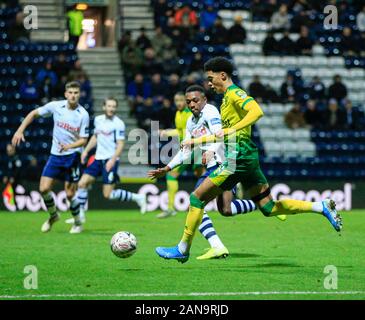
point(45, 187)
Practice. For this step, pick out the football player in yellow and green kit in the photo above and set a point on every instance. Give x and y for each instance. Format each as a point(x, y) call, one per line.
point(239, 112)
point(182, 115)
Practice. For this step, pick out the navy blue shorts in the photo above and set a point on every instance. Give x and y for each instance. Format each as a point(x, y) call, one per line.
point(97, 168)
point(206, 174)
point(64, 168)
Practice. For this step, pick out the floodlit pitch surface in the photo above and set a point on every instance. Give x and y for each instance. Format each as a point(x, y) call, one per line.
point(269, 259)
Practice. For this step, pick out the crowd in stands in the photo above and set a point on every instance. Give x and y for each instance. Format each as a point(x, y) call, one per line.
point(315, 105)
point(302, 18)
point(49, 82)
point(31, 74)
point(185, 36)
point(157, 67)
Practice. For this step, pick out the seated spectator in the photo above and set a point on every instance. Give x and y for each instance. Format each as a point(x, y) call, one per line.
point(170, 62)
point(59, 89)
point(179, 36)
point(288, 90)
point(61, 67)
point(237, 33)
point(166, 114)
point(337, 90)
point(29, 91)
point(334, 117)
point(138, 91)
point(160, 42)
point(208, 16)
point(33, 169)
point(13, 166)
point(132, 60)
point(142, 41)
point(76, 70)
point(185, 16)
point(173, 86)
point(218, 33)
point(157, 88)
point(46, 72)
point(280, 19)
point(300, 20)
point(197, 63)
point(125, 41)
point(286, 46)
point(150, 63)
point(360, 20)
point(17, 32)
point(317, 89)
point(348, 45)
point(85, 89)
point(190, 79)
point(353, 117)
point(304, 43)
point(46, 90)
point(144, 114)
point(270, 45)
point(313, 117)
point(271, 95)
point(258, 9)
point(295, 118)
point(362, 44)
point(269, 9)
point(256, 89)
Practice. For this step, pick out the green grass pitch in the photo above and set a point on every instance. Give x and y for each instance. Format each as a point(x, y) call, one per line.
point(269, 259)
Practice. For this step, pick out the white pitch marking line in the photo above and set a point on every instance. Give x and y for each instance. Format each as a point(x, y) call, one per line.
point(175, 294)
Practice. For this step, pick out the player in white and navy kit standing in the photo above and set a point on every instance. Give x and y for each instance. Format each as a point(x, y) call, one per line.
point(70, 134)
point(108, 138)
point(206, 120)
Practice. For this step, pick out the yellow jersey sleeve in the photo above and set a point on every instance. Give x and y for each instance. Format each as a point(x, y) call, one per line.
point(241, 99)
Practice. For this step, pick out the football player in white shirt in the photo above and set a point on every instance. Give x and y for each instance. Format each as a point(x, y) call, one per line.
point(70, 134)
point(108, 138)
point(206, 120)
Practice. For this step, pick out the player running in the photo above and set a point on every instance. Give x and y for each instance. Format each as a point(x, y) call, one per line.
point(239, 112)
point(181, 117)
point(108, 138)
point(206, 120)
point(70, 134)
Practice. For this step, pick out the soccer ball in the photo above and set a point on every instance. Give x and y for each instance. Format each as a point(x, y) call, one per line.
point(123, 244)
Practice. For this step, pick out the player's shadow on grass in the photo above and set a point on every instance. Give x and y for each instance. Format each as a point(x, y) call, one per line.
point(244, 255)
point(275, 265)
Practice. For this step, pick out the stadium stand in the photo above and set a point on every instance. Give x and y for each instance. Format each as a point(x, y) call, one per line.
point(32, 74)
point(309, 67)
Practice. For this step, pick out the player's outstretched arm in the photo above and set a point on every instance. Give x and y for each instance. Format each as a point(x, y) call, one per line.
point(169, 133)
point(254, 113)
point(77, 144)
point(158, 173)
point(18, 136)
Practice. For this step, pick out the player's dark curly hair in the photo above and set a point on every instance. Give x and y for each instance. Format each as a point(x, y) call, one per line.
point(195, 87)
point(219, 64)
